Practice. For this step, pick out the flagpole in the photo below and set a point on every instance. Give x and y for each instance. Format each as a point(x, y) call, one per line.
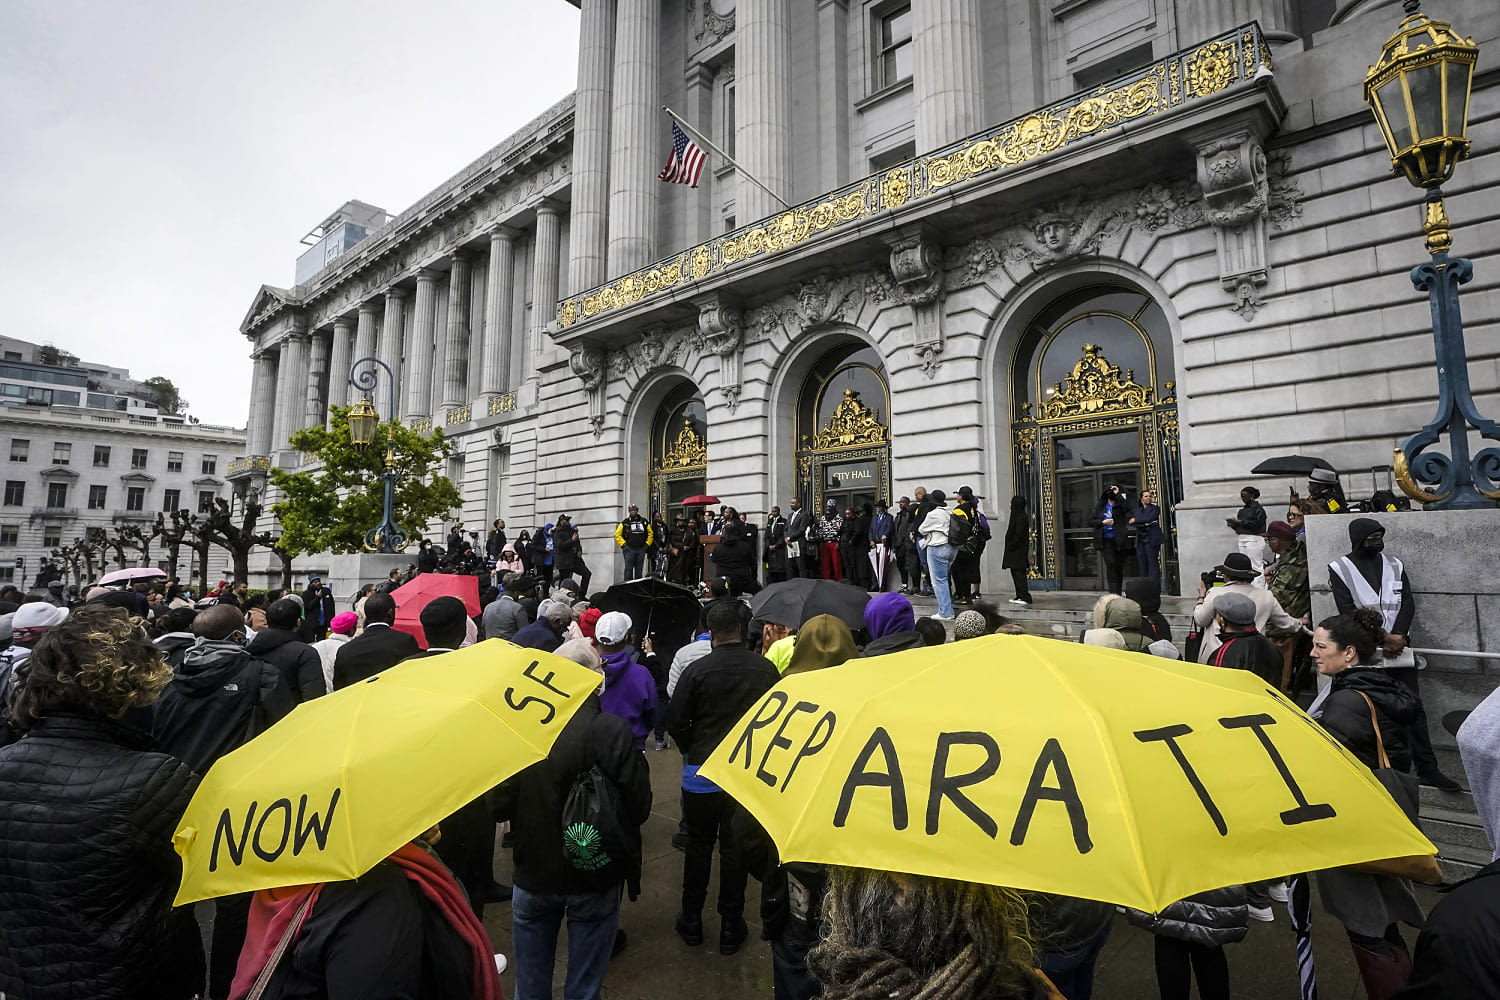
point(704, 140)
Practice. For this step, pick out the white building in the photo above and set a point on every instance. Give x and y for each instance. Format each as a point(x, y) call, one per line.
point(79, 454)
point(1029, 247)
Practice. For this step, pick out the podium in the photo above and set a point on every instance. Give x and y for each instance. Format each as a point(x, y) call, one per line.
point(709, 543)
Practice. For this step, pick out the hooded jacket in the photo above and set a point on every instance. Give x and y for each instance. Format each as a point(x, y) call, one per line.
point(1346, 716)
point(218, 699)
point(298, 662)
point(1124, 616)
point(1147, 593)
point(1017, 536)
point(823, 641)
point(629, 692)
point(174, 646)
point(892, 625)
point(1371, 566)
point(1458, 952)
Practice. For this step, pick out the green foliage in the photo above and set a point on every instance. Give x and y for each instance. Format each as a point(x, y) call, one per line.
point(168, 399)
point(331, 508)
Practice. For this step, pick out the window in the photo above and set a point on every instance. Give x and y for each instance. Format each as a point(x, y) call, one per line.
point(891, 157)
point(57, 495)
point(206, 500)
point(12, 355)
point(728, 223)
point(210, 465)
point(10, 534)
point(8, 573)
point(729, 126)
point(135, 498)
point(174, 461)
point(138, 458)
point(893, 48)
point(98, 497)
point(62, 453)
point(101, 456)
point(52, 536)
point(15, 493)
point(20, 449)
point(171, 500)
point(1115, 66)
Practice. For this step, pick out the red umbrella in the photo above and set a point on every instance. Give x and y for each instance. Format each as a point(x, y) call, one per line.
point(412, 597)
point(702, 500)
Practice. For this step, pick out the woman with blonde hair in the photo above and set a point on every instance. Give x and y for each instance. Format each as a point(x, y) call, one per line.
point(87, 870)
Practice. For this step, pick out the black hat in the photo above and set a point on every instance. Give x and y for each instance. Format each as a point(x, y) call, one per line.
point(967, 493)
point(564, 517)
point(1361, 528)
point(938, 497)
point(1236, 566)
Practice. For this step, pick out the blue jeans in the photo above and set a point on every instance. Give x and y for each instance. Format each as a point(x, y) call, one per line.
point(593, 918)
point(939, 559)
point(635, 563)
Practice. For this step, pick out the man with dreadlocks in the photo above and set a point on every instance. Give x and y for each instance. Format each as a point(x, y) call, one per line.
point(908, 937)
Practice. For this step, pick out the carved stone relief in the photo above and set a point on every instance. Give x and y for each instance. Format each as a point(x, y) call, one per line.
point(1234, 175)
point(588, 363)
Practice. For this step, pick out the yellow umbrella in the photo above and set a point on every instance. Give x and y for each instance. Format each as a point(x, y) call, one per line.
point(1058, 767)
point(346, 779)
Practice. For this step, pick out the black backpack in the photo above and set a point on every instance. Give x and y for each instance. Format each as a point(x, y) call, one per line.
point(594, 827)
point(960, 529)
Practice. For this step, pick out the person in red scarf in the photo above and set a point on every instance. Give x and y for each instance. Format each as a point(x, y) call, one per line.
point(403, 929)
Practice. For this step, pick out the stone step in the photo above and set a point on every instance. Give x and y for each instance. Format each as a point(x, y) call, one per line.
point(1063, 614)
point(1462, 802)
point(1447, 828)
point(1459, 863)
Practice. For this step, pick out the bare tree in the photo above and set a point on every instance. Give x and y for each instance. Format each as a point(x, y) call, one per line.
point(174, 535)
point(238, 536)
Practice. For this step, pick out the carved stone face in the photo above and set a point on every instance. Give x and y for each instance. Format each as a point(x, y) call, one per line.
point(1054, 233)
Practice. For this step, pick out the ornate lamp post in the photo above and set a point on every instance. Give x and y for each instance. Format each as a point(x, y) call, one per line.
point(363, 419)
point(1419, 92)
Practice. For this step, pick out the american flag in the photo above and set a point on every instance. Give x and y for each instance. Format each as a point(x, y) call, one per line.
point(686, 162)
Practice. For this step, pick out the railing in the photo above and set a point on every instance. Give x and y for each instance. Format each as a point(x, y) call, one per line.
point(1181, 78)
point(245, 466)
point(54, 512)
point(505, 402)
point(133, 515)
point(457, 415)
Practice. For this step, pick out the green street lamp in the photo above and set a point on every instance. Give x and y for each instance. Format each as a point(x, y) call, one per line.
point(388, 536)
point(1419, 92)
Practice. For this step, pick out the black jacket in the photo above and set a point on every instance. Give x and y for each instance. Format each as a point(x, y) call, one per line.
point(298, 662)
point(1017, 538)
point(1458, 952)
point(711, 696)
point(895, 642)
point(1347, 717)
point(537, 635)
point(1251, 520)
point(318, 610)
point(87, 870)
point(218, 699)
point(533, 800)
point(1120, 537)
point(1249, 651)
point(174, 646)
point(1147, 593)
point(377, 935)
point(377, 648)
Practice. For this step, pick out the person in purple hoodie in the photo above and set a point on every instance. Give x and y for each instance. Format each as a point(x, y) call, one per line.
point(629, 687)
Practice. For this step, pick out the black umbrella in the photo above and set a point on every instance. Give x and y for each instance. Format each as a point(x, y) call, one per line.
point(1291, 465)
point(793, 602)
point(663, 610)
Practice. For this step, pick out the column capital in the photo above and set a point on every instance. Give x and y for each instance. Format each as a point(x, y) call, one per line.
point(547, 206)
point(460, 255)
point(369, 307)
point(428, 274)
point(296, 336)
point(395, 292)
point(502, 232)
point(343, 321)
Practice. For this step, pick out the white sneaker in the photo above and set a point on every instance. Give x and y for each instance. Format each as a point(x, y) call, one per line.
point(942, 618)
point(1017, 600)
point(500, 963)
point(1263, 914)
point(1279, 892)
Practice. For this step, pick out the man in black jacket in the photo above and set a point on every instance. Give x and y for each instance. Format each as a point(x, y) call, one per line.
point(219, 699)
point(280, 644)
point(378, 647)
point(1243, 647)
point(549, 887)
point(567, 552)
point(711, 696)
point(318, 610)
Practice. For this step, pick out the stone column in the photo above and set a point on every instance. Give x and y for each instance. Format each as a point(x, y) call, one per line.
point(763, 106)
point(456, 356)
point(418, 376)
point(1200, 22)
point(544, 268)
point(262, 402)
point(637, 127)
point(474, 363)
point(439, 363)
point(588, 244)
point(497, 309)
point(365, 332)
point(315, 413)
point(339, 362)
point(291, 388)
point(833, 93)
point(390, 350)
point(947, 75)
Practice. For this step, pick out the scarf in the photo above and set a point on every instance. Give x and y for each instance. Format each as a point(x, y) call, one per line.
point(271, 913)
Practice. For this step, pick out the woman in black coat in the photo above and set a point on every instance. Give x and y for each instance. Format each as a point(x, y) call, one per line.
point(87, 870)
point(1018, 549)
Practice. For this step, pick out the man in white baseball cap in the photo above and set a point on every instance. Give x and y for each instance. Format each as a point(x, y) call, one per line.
point(29, 623)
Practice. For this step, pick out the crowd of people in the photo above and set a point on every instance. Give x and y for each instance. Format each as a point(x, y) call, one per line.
point(113, 710)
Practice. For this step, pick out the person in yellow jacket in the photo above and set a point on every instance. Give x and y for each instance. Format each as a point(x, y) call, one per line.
point(634, 536)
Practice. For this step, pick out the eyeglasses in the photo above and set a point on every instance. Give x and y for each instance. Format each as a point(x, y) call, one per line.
point(1293, 517)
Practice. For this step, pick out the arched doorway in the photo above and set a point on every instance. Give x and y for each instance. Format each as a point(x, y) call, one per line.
point(1095, 404)
point(679, 451)
point(843, 429)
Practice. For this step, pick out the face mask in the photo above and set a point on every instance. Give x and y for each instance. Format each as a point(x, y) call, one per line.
point(1374, 544)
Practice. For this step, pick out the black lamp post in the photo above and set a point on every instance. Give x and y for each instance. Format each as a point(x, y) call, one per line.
point(1419, 92)
point(363, 420)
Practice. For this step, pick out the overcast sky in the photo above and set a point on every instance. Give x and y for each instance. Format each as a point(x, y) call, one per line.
point(159, 160)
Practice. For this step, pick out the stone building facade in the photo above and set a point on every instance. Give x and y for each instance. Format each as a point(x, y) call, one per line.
point(1028, 248)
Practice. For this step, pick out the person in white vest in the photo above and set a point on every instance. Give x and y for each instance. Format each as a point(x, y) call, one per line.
point(1369, 578)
